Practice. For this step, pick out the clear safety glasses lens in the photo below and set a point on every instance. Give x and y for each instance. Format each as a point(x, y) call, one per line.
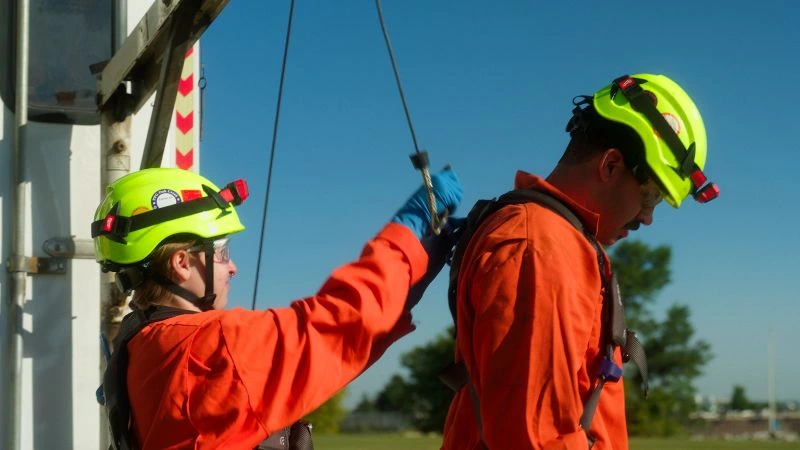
point(222, 251)
point(651, 194)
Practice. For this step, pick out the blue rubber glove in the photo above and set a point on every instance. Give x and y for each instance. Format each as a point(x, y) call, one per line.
point(415, 214)
point(439, 249)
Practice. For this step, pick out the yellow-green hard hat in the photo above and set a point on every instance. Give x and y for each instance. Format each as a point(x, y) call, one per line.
point(670, 127)
point(142, 209)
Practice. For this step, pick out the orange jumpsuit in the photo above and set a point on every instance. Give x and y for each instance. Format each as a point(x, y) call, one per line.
point(529, 330)
point(228, 379)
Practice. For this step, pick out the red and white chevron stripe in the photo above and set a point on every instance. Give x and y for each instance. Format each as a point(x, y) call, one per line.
point(185, 114)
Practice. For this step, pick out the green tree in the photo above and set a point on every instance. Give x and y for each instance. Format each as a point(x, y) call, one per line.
point(365, 405)
point(420, 395)
point(642, 273)
point(394, 396)
point(739, 400)
point(674, 357)
point(327, 417)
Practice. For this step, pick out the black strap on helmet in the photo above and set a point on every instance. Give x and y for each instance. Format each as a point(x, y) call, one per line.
point(579, 123)
point(702, 190)
point(116, 227)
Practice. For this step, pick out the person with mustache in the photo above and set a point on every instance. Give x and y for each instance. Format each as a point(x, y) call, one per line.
point(531, 286)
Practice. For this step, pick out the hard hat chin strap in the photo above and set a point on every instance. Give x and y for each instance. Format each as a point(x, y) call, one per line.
point(206, 302)
point(131, 277)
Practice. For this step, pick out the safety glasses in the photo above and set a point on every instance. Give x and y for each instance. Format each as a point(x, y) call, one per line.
point(222, 251)
point(651, 194)
point(652, 191)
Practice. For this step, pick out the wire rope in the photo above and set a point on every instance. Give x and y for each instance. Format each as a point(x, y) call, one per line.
point(272, 152)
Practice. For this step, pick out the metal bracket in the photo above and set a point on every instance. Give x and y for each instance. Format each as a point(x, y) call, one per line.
point(34, 265)
point(69, 247)
point(139, 58)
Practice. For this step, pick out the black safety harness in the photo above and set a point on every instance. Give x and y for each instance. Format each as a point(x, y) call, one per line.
point(115, 389)
point(614, 333)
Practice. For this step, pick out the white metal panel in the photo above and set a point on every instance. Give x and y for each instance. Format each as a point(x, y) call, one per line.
point(61, 357)
point(84, 291)
point(48, 344)
point(61, 314)
point(6, 196)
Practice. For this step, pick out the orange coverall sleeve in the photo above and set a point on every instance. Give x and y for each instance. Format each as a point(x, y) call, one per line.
point(291, 360)
point(533, 296)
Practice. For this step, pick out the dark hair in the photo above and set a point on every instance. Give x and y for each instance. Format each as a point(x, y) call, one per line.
point(592, 134)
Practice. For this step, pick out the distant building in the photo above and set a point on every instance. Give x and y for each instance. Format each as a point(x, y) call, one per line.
point(714, 420)
point(357, 422)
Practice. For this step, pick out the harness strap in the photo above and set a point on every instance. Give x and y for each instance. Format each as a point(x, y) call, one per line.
point(634, 351)
point(484, 208)
point(621, 336)
point(205, 302)
point(589, 409)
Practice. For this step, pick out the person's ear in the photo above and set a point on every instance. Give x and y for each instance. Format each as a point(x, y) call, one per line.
point(181, 264)
point(611, 165)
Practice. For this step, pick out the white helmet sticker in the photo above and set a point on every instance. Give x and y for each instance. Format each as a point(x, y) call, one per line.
point(164, 197)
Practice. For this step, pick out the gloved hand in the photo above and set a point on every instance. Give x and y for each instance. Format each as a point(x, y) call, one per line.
point(415, 214)
point(439, 249)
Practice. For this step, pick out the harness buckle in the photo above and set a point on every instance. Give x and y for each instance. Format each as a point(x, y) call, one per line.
point(609, 370)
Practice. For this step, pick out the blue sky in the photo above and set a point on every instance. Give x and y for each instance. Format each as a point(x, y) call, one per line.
point(489, 86)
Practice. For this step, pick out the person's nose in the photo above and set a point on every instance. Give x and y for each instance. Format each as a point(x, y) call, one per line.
point(646, 216)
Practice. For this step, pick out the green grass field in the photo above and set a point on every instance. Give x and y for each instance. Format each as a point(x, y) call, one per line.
point(401, 442)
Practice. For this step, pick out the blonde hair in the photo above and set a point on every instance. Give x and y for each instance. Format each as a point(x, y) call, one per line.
point(150, 291)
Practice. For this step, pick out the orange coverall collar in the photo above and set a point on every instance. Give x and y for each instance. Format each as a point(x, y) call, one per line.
point(525, 180)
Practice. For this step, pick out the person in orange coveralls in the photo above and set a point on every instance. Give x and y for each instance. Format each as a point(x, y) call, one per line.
point(197, 376)
point(530, 293)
